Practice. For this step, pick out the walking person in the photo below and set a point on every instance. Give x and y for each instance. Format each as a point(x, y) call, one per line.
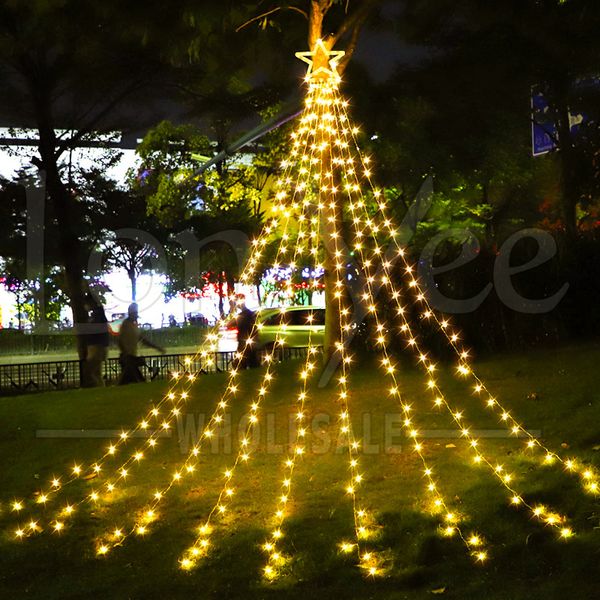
point(97, 341)
point(129, 337)
point(245, 322)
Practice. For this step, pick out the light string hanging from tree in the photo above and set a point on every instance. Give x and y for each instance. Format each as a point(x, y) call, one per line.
point(549, 517)
point(276, 558)
point(95, 469)
point(588, 476)
point(188, 468)
point(123, 471)
point(369, 561)
point(440, 400)
point(201, 544)
point(335, 124)
point(178, 399)
point(474, 541)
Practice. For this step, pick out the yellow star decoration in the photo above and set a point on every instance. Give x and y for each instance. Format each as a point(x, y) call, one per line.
point(322, 62)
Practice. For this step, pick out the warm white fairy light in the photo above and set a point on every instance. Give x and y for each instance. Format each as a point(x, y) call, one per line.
point(276, 559)
point(437, 502)
point(217, 416)
point(324, 131)
point(177, 398)
point(453, 337)
point(463, 368)
point(369, 562)
point(201, 544)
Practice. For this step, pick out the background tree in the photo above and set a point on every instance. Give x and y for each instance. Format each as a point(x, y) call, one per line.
point(67, 69)
point(124, 208)
point(496, 54)
point(225, 197)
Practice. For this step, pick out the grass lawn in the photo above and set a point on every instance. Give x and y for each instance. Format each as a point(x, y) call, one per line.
point(526, 559)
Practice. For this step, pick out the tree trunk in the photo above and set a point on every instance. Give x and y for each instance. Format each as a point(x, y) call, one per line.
point(315, 22)
point(332, 223)
point(332, 315)
point(133, 281)
point(571, 192)
point(333, 216)
point(61, 201)
point(69, 252)
point(571, 187)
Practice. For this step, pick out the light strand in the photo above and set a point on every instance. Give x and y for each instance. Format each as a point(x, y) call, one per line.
point(275, 557)
point(200, 546)
point(549, 517)
point(189, 465)
point(588, 476)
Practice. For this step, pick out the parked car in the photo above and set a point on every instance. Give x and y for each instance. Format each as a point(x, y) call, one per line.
point(296, 326)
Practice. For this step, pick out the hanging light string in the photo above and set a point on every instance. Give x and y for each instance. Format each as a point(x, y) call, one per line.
point(202, 542)
point(150, 514)
point(96, 496)
point(275, 557)
point(543, 514)
point(437, 503)
point(58, 484)
point(473, 542)
point(589, 476)
point(368, 560)
point(363, 521)
point(258, 246)
point(550, 517)
point(173, 395)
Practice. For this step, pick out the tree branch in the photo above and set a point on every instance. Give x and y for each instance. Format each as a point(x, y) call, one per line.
point(356, 19)
point(89, 127)
point(350, 48)
point(270, 12)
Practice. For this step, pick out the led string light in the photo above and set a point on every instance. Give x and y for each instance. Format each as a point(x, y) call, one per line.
point(275, 557)
point(542, 513)
point(150, 514)
point(94, 468)
point(186, 469)
point(473, 542)
point(202, 542)
point(589, 476)
point(324, 110)
point(123, 471)
point(271, 546)
point(369, 562)
point(79, 470)
point(516, 499)
point(178, 399)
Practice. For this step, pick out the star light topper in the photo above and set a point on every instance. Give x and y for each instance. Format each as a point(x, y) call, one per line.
point(322, 62)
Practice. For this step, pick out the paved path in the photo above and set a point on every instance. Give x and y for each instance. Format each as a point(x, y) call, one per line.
point(52, 356)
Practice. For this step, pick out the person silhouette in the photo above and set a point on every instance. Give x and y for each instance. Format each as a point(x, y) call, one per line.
point(245, 321)
point(129, 337)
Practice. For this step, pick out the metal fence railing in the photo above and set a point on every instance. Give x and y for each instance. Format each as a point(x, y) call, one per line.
point(66, 374)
